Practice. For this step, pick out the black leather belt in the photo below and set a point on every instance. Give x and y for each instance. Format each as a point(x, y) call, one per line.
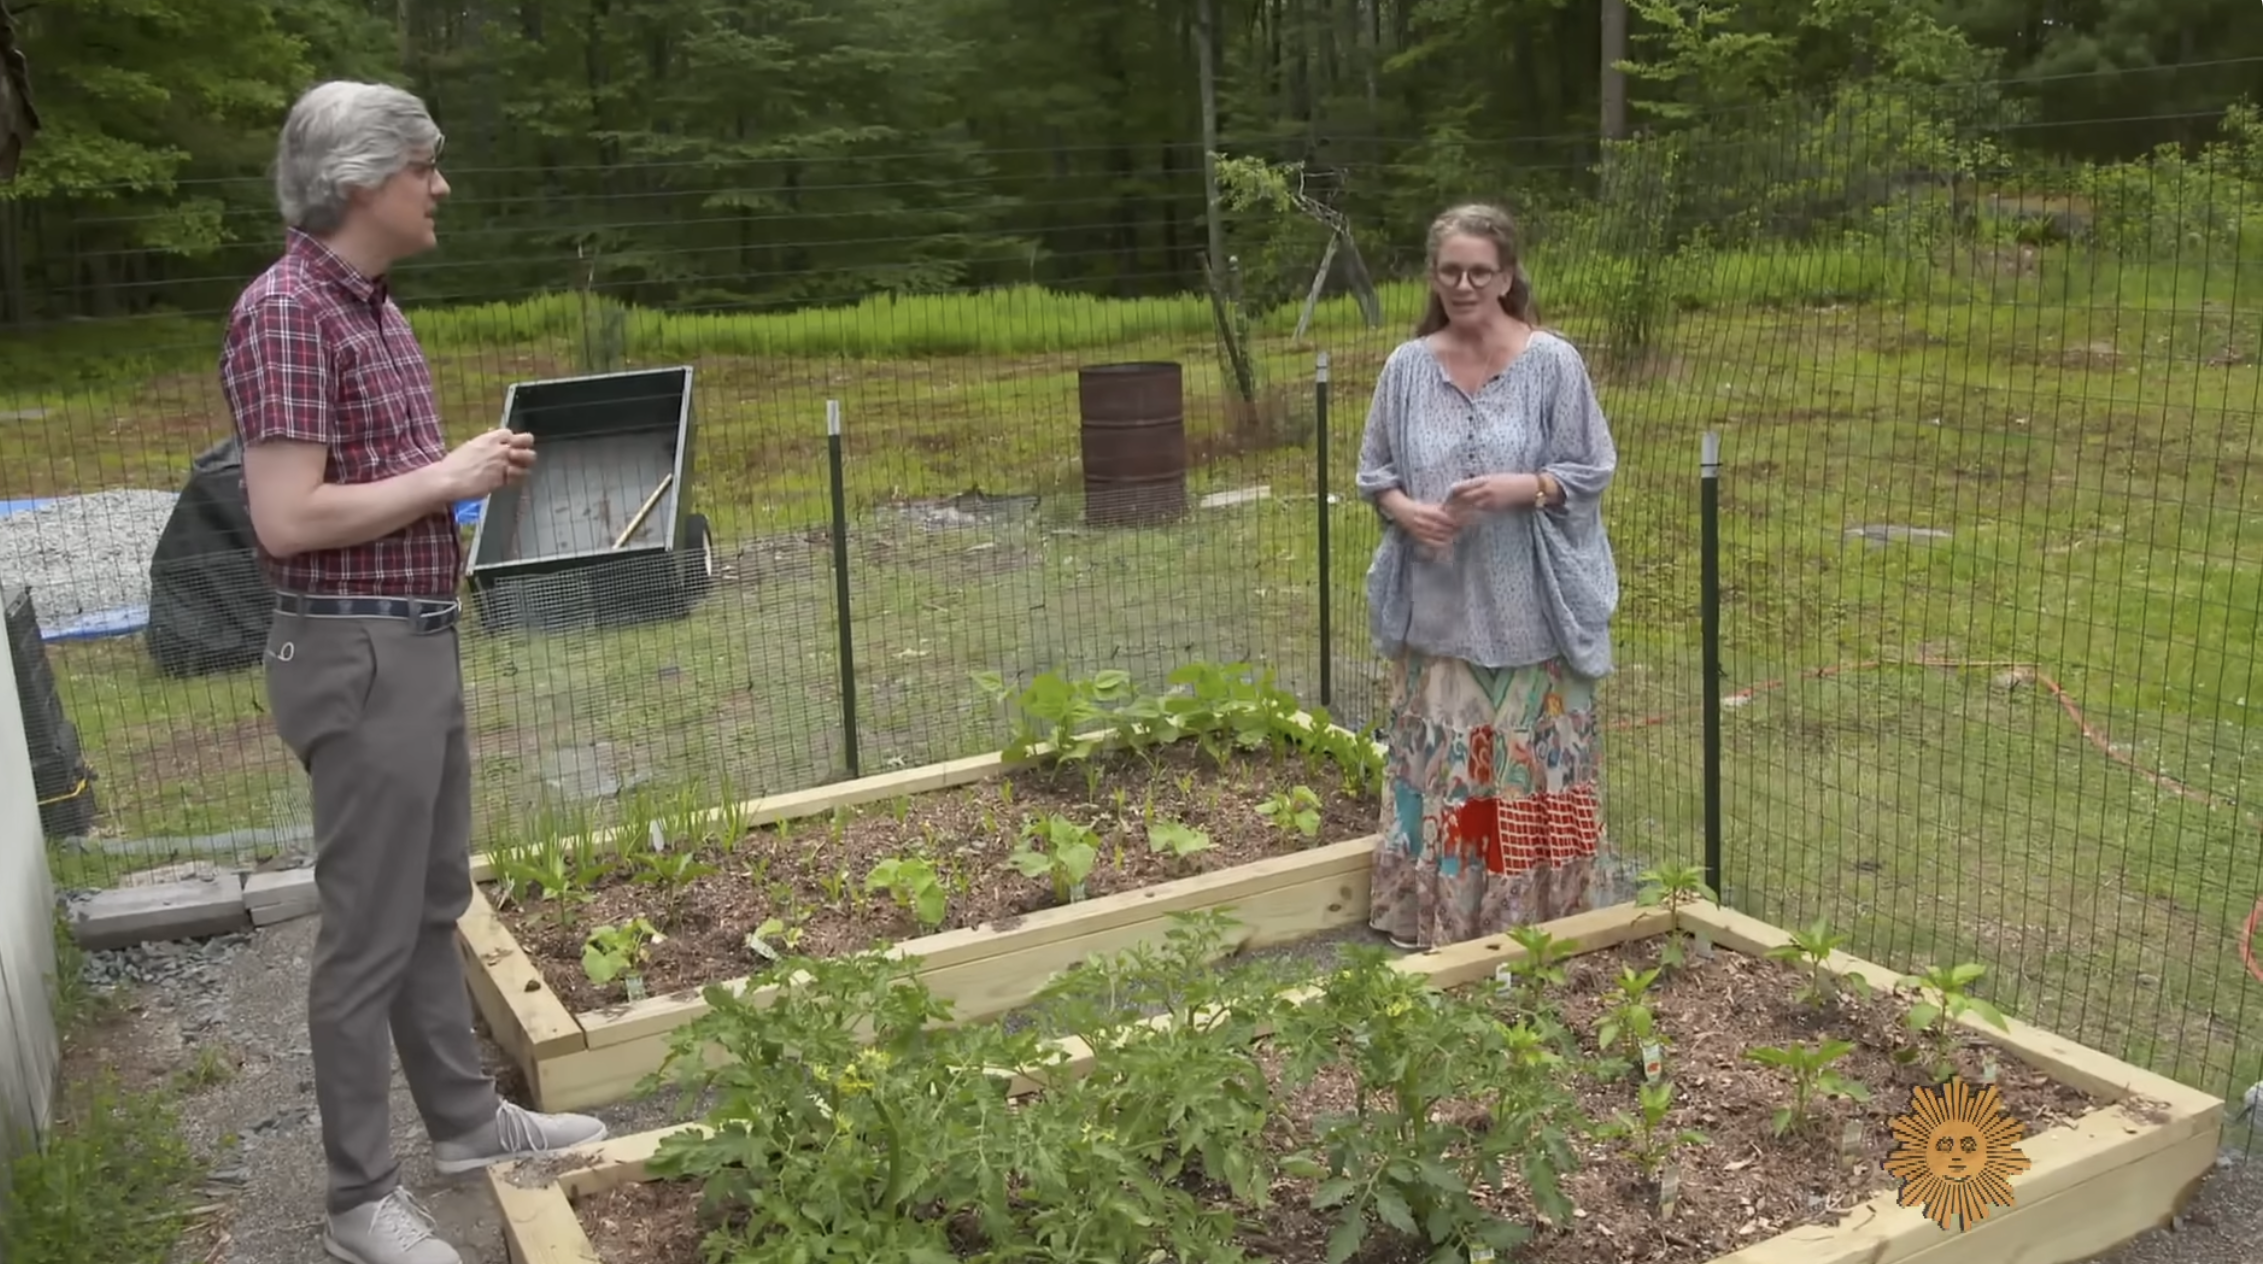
point(425, 614)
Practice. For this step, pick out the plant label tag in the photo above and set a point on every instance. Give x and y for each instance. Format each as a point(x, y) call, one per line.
point(1852, 1137)
point(633, 986)
point(1483, 1255)
point(1990, 1070)
point(1671, 1181)
point(1652, 1067)
point(1702, 946)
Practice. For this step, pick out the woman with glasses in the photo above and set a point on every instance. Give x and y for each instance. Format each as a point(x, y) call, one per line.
point(1487, 455)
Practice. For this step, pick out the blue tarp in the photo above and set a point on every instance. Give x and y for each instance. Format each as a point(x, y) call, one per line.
point(128, 620)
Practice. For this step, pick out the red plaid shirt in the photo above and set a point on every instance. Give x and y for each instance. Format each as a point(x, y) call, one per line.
point(319, 353)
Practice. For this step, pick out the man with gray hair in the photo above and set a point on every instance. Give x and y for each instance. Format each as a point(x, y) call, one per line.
point(351, 490)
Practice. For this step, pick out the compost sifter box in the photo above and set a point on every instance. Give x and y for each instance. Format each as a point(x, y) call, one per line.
point(600, 532)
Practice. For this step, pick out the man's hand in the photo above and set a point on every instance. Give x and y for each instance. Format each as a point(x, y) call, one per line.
point(486, 462)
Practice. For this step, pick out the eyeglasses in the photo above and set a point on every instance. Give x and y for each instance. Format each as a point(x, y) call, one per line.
point(423, 169)
point(1451, 275)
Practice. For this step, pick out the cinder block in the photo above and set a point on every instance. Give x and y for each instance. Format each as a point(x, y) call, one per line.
point(279, 896)
point(177, 910)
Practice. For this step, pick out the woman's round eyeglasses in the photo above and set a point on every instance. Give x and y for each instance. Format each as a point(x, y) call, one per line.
point(1450, 275)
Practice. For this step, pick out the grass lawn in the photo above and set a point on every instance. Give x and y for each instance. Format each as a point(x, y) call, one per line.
point(1940, 493)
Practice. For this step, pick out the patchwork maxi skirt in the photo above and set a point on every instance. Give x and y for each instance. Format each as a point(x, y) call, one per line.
point(1491, 815)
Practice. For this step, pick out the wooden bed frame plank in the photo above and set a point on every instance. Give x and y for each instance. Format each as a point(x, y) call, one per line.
point(524, 1015)
point(540, 1225)
point(980, 946)
point(2093, 1184)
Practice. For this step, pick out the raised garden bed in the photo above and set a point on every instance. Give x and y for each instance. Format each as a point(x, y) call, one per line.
point(1214, 1140)
point(1108, 812)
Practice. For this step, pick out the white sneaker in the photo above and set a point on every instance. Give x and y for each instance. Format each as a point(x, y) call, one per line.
point(392, 1230)
point(518, 1133)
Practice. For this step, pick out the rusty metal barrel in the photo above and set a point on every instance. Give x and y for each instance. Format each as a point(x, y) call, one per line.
point(1133, 443)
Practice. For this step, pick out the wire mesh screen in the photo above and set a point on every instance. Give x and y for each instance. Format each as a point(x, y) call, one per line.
point(1990, 562)
point(1990, 590)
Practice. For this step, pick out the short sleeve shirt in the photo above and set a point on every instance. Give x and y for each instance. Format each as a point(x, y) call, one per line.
point(318, 353)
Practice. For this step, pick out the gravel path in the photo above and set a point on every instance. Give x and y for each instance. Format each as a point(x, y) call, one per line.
point(243, 997)
point(84, 554)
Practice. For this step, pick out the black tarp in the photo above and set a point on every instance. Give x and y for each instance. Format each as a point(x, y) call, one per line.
point(208, 603)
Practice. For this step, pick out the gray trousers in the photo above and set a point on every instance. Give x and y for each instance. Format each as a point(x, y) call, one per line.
point(374, 710)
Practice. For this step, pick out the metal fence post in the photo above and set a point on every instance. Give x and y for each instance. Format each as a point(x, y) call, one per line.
point(1322, 510)
point(845, 643)
point(1711, 669)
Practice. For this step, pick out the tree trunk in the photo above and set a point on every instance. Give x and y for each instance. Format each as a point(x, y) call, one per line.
point(1215, 228)
point(1612, 84)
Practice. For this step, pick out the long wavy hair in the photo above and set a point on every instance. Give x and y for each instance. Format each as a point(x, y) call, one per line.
point(1493, 223)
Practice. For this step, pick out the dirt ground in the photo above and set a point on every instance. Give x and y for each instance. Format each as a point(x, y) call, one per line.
point(235, 1036)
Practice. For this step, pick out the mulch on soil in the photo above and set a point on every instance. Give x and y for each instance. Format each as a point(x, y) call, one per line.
point(1745, 1186)
point(812, 876)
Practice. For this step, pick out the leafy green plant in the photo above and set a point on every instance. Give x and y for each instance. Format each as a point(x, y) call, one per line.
point(1297, 810)
point(1812, 949)
point(1072, 719)
point(1060, 850)
point(912, 885)
point(1675, 888)
point(1526, 986)
point(1945, 997)
point(613, 952)
point(1809, 1069)
point(672, 873)
point(825, 1148)
point(1171, 838)
point(1647, 1139)
point(1187, 1092)
point(772, 938)
point(1397, 1158)
point(833, 884)
point(1628, 1017)
point(560, 874)
point(1224, 707)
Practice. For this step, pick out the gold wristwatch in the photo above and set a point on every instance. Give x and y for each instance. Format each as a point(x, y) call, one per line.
point(1544, 485)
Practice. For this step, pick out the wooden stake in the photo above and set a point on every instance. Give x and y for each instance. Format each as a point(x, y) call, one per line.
point(638, 520)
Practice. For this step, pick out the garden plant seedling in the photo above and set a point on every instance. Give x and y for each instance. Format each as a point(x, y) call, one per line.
point(672, 873)
point(614, 952)
point(1809, 1068)
point(1647, 1139)
point(1943, 1000)
point(772, 938)
point(1297, 810)
point(1811, 949)
point(1628, 1023)
point(912, 884)
point(1060, 850)
point(1178, 841)
point(1675, 888)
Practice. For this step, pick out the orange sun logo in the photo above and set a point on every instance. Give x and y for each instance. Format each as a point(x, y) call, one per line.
point(1956, 1153)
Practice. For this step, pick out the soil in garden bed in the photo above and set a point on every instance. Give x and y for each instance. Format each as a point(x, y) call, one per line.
point(811, 875)
point(1745, 1186)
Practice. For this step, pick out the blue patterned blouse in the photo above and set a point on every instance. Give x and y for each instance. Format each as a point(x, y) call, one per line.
point(1518, 587)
